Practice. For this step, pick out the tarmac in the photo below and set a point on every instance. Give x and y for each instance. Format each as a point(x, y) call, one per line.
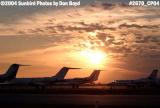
point(79, 98)
point(76, 101)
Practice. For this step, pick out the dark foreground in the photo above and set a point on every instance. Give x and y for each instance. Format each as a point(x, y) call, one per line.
point(78, 101)
point(80, 98)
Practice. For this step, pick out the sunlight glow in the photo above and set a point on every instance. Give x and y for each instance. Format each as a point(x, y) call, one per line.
point(92, 33)
point(94, 57)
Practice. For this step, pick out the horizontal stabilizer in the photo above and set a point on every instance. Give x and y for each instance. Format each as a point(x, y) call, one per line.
point(62, 73)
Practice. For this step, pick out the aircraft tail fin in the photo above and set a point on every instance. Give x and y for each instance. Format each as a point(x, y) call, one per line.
point(153, 75)
point(94, 76)
point(11, 72)
point(62, 73)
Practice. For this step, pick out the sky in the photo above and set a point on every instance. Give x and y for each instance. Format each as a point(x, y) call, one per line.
point(123, 40)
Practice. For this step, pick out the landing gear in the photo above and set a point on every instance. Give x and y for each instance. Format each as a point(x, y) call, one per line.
point(75, 86)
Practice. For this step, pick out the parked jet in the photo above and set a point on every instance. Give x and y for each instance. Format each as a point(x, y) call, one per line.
point(10, 73)
point(148, 81)
point(76, 82)
point(42, 81)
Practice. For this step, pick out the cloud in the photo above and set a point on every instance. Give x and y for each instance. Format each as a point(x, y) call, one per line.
point(147, 39)
point(105, 6)
point(138, 26)
point(11, 44)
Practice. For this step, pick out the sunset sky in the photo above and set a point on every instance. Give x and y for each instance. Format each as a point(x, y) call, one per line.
point(100, 34)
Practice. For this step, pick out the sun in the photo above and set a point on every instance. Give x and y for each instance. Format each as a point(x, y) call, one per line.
point(94, 57)
point(92, 33)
